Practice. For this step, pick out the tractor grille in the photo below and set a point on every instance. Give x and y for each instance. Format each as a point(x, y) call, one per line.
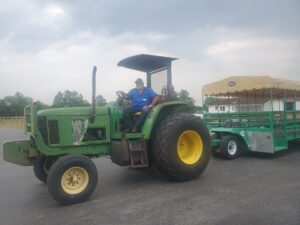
point(42, 126)
point(53, 131)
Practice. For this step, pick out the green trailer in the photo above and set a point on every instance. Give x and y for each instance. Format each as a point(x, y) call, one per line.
point(62, 141)
point(251, 113)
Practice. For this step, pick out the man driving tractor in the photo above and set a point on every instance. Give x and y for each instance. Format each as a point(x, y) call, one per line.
point(143, 99)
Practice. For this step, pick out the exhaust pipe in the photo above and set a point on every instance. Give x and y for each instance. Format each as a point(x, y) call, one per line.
point(93, 116)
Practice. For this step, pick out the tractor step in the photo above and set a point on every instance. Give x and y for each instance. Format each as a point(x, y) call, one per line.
point(138, 154)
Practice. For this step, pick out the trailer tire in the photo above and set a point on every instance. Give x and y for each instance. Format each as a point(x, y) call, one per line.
point(230, 147)
point(41, 167)
point(72, 179)
point(181, 147)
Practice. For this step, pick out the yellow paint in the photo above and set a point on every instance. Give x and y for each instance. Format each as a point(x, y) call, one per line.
point(75, 180)
point(248, 84)
point(190, 147)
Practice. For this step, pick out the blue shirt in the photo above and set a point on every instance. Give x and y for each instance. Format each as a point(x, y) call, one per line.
point(140, 100)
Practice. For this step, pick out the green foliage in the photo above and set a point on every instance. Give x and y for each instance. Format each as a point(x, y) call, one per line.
point(41, 105)
point(14, 105)
point(184, 95)
point(100, 100)
point(198, 109)
point(211, 101)
point(69, 99)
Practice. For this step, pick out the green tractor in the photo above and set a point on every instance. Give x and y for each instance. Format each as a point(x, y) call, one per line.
point(63, 140)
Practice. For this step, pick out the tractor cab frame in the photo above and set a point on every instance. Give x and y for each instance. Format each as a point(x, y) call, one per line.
point(151, 65)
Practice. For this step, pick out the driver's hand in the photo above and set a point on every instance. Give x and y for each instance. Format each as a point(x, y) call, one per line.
point(120, 92)
point(147, 107)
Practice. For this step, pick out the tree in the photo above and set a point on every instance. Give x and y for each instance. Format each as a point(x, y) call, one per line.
point(3, 108)
point(14, 105)
point(58, 100)
point(184, 95)
point(100, 100)
point(69, 99)
point(40, 105)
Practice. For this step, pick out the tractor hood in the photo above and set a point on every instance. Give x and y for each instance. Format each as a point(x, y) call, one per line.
point(73, 111)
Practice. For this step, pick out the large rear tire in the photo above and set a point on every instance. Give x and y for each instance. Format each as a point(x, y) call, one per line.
point(181, 147)
point(72, 179)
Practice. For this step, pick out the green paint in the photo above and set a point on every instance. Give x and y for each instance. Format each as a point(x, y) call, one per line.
point(61, 131)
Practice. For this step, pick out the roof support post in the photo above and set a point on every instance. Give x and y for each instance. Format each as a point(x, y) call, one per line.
point(169, 74)
point(271, 98)
point(255, 101)
point(239, 109)
point(284, 115)
point(228, 104)
point(148, 80)
point(247, 101)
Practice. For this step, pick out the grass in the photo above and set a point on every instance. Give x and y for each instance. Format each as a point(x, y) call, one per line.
point(12, 122)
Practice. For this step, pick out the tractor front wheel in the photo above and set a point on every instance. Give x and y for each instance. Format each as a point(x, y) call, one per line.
point(181, 147)
point(72, 179)
point(42, 166)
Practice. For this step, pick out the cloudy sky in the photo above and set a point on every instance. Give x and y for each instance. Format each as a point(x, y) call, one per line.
point(51, 46)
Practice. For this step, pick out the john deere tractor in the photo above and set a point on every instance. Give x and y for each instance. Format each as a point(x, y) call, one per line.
point(63, 140)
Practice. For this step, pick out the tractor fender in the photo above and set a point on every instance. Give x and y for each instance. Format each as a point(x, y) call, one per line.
point(158, 113)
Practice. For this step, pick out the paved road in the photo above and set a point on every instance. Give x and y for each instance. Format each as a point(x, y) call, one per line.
point(253, 189)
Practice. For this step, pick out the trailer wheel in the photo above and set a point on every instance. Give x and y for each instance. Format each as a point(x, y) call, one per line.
point(41, 167)
point(72, 179)
point(181, 147)
point(230, 147)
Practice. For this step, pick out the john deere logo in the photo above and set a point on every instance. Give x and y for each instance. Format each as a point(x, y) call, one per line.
point(231, 83)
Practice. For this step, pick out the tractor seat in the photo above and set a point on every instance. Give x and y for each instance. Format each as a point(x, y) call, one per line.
point(137, 114)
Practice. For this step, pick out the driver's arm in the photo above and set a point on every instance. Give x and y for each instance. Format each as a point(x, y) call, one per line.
point(154, 101)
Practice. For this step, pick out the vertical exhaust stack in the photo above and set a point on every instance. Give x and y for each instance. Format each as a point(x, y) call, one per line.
point(93, 116)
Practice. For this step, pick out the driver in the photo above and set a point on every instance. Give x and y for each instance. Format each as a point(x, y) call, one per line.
point(143, 99)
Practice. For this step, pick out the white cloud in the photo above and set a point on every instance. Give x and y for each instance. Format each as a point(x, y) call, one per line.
point(227, 47)
point(67, 64)
point(50, 46)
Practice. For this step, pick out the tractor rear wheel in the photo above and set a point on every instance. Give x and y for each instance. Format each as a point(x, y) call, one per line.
point(181, 147)
point(230, 147)
point(72, 179)
point(41, 167)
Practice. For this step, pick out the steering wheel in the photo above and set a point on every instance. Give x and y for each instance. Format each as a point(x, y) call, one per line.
point(123, 98)
point(122, 95)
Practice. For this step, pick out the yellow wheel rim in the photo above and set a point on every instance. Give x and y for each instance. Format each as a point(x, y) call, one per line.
point(75, 180)
point(189, 147)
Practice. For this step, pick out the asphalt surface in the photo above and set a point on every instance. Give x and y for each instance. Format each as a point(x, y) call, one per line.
point(253, 189)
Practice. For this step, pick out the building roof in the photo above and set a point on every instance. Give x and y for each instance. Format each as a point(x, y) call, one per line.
point(243, 101)
point(255, 85)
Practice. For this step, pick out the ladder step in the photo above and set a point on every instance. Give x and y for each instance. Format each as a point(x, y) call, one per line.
point(138, 154)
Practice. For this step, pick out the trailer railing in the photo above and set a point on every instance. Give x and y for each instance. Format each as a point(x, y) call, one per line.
point(284, 123)
point(239, 120)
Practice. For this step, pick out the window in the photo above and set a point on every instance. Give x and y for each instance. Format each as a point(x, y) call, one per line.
point(289, 106)
point(222, 108)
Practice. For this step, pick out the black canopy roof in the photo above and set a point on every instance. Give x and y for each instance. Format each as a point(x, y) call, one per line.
point(146, 63)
